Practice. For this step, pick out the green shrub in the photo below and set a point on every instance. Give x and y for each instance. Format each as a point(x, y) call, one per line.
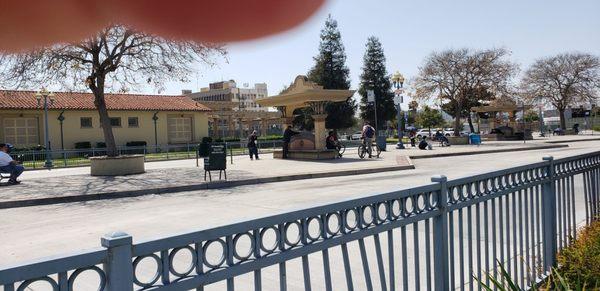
point(29, 149)
point(204, 147)
point(596, 128)
point(579, 266)
point(580, 262)
point(136, 144)
point(83, 145)
point(100, 145)
point(271, 137)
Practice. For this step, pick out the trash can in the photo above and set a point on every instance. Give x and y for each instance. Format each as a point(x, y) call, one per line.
point(474, 139)
point(381, 139)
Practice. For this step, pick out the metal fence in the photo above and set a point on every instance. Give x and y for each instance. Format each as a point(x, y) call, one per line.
point(80, 157)
point(438, 236)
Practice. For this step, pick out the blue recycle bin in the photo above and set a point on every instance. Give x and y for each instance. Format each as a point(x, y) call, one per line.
point(474, 138)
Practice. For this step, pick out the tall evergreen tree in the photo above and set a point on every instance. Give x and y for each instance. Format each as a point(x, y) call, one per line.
point(375, 77)
point(331, 72)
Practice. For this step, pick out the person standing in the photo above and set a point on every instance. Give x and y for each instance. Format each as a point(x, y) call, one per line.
point(253, 145)
point(8, 165)
point(368, 132)
point(287, 137)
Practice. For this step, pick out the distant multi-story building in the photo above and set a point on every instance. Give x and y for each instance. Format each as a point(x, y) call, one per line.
point(228, 92)
point(235, 111)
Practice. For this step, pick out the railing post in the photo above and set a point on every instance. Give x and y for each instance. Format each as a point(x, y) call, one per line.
point(549, 215)
point(118, 267)
point(440, 237)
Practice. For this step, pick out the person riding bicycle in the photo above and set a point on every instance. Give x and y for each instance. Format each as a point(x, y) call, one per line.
point(332, 143)
point(368, 132)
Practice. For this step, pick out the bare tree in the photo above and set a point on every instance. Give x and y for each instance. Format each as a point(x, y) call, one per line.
point(563, 80)
point(116, 59)
point(453, 76)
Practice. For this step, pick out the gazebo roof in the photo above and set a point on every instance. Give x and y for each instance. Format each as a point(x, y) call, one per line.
point(500, 105)
point(301, 93)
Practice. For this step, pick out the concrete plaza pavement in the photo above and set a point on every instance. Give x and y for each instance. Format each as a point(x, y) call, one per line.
point(27, 233)
point(33, 232)
point(64, 185)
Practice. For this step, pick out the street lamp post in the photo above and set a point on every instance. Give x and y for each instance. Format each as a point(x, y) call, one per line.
point(48, 99)
point(398, 81)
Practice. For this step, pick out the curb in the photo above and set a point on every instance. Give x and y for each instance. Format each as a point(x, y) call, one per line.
point(490, 151)
point(195, 187)
point(575, 140)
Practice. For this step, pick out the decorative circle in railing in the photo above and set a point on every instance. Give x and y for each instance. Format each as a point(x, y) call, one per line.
point(292, 233)
point(99, 272)
point(351, 219)
point(462, 190)
point(153, 278)
point(421, 203)
point(431, 200)
point(313, 229)
point(269, 239)
point(188, 262)
point(25, 285)
point(243, 246)
point(368, 215)
point(396, 208)
point(408, 206)
point(382, 212)
point(334, 223)
point(214, 252)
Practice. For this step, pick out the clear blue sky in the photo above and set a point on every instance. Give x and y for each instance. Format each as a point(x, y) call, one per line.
point(409, 31)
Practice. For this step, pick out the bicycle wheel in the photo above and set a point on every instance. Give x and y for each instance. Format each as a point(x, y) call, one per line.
point(362, 151)
point(342, 149)
point(378, 149)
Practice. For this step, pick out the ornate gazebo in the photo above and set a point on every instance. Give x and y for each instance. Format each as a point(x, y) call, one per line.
point(496, 110)
point(303, 93)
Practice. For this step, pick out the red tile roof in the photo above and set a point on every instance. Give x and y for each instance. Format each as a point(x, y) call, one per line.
point(85, 101)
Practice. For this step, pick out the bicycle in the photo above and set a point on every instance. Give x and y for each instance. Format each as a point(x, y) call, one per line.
point(362, 150)
point(342, 149)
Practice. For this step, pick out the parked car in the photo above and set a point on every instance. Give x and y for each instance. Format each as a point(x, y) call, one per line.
point(356, 136)
point(424, 132)
point(448, 131)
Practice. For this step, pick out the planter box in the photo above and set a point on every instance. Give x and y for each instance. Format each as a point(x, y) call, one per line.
point(117, 166)
point(458, 140)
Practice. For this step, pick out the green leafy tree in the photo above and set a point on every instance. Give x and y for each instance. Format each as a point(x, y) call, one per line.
point(476, 97)
point(375, 77)
point(429, 118)
point(331, 72)
point(531, 116)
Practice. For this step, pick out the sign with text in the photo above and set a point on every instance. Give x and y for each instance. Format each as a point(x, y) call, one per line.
point(217, 159)
point(370, 96)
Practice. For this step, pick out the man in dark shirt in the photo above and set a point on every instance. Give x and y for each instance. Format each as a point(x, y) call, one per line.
point(287, 137)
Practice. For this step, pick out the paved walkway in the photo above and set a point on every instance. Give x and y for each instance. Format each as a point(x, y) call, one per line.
point(183, 175)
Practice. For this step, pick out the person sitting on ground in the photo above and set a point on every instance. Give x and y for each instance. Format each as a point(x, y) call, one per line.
point(424, 145)
point(8, 165)
point(332, 143)
point(252, 145)
point(439, 136)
